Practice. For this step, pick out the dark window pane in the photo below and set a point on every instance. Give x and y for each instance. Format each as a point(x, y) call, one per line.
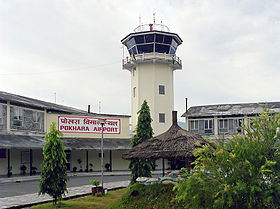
point(130, 43)
point(160, 48)
point(201, 125)
point(159, 38)
point(167, 39)
point(206, 124)
point(161, 117)
point(210, 124)
point(150, 38)
point(161, 89)
point(2, 153)
point(172, 51)
point(145, 48)
point(174, 43)
point(134, 51)
point(139, 39)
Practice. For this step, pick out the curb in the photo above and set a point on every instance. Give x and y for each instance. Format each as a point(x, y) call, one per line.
point(65, 198)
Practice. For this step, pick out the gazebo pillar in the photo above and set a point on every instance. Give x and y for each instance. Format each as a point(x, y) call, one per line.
point(9, 164)
point(86, 160)
point(163, 167)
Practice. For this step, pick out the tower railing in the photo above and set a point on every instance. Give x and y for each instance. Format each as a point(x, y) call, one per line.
point(173, 60)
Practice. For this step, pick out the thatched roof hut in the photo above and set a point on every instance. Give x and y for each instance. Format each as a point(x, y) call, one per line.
point(175, 143)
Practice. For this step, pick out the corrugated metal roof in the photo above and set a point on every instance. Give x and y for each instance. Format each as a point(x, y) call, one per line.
point(9, 141)
point(50, 107)
point(231, 109)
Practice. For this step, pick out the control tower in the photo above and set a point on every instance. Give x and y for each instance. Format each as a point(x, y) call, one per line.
point(152, 60)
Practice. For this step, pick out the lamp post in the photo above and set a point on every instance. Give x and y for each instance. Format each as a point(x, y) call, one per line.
point(102, 122)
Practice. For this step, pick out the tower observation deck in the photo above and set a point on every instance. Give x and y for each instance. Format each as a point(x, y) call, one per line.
point(152, 49)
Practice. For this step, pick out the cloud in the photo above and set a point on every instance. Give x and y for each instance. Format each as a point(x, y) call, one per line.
point(230, 51)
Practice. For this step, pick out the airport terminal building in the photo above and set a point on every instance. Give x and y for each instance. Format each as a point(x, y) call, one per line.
point(24, 123)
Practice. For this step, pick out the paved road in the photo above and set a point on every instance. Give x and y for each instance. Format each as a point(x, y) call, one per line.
point(28, 187)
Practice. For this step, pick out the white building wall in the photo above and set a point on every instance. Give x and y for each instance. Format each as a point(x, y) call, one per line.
point(146, 79)
point(117, 162)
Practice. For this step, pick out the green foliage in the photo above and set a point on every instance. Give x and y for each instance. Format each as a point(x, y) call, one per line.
point(144, 132)
point(183, 170)
point(149, 197)
point(94, 182)
point(244, 173)
point(53, 176)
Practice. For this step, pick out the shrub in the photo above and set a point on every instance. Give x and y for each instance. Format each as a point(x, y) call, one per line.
point(94, 182)
point(244, 173)
point(54, 171)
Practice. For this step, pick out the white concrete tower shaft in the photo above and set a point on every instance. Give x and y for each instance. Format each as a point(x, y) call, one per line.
point(151, 63)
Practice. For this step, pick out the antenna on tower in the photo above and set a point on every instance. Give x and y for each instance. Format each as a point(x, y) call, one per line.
point(99, 106)
point(154, 17)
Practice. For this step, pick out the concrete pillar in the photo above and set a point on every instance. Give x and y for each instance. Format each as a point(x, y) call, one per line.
point(8, 116)
point(110, 154)
point(30, 161)
point(216, 127)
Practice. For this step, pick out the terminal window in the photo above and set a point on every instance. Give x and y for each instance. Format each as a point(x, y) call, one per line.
point(2, 153)
point(161, 89)
point(161, 117)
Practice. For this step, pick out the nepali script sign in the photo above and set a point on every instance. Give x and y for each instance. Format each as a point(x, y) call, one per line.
point(68, 124)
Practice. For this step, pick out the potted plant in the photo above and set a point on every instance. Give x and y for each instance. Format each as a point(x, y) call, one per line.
point(96, 188)
point(91, 165)
point(23, 169)
point(33, 170)
point(107, 166)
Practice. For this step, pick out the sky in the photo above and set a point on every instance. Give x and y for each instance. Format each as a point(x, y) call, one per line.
point(69, 51)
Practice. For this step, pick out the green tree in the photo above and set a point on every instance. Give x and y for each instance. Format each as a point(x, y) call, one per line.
point(243, 173)
point(54, 172)
point(144, 131)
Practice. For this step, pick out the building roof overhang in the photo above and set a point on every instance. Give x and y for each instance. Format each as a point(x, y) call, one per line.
point(10, 141)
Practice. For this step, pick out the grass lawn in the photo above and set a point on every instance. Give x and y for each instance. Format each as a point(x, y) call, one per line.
point(155, 196)
point(86, 202)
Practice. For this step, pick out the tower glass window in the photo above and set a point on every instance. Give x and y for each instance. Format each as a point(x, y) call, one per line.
point(161, 117)
point(161, 89)
point(145, 48)
point(167, 39)
point(150, 38)
point(139, 39)
point(161, 48)
point(159, 38)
